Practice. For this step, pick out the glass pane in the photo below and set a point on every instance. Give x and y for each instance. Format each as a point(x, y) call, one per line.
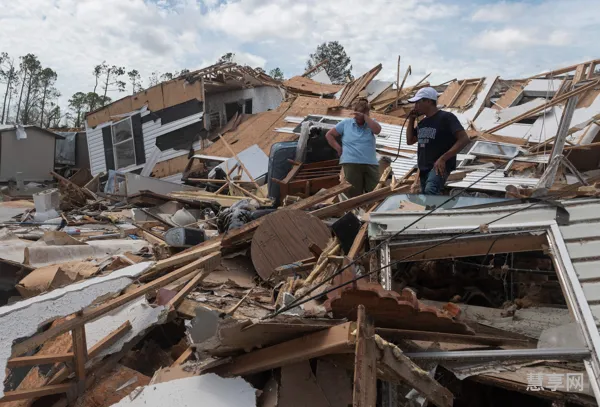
point(393, 202)
point(125, 154)
point(122, 131)
point(494, 149)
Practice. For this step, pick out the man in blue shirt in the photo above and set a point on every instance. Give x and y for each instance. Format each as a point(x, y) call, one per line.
point(441, 137)
point(357, 151)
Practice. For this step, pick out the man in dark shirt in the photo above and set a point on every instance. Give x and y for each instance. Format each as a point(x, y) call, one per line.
point(440, 136)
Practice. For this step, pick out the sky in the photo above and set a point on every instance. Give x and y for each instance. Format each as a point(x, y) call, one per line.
point(447, 38)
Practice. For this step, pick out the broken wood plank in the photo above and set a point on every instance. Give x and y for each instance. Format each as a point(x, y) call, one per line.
point(466, 246)
point(364, 199)
point(337, 339)
point(174, 302)
point(188, 255)
point(94, 351)
point(39, 360)
point(402, 334)
point(543, 107)
point(394, 362)
point(245, 232)
point(81, 356)
point(365, 362)
point(184, 357)
point(35, 393)
point(240, 163)
point(208, 262)
point(83, 190)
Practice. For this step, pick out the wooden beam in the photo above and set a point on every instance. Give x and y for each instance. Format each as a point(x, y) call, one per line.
point(185, 356)
point(94, 351)
point(470, 246)
point(337, 339)
point(403, 334)
point(81, 356)
point(543, 107)
point(35, 393)
point(397, 83)
point(238, 160)
point(365, 362)
point(393, 361)
point(39, 360)
point(364, 199)
point(174, 302)
point(90, 314)
point(185, 256)
point(245, 232)
point(458, 92)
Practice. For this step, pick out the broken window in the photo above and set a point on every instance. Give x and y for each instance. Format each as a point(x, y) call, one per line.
point(123, 144)
point(317, 119)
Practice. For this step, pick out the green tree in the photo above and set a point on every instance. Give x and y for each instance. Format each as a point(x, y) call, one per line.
point(276, 73)
point(77, 104)
point(92, 100)
point(111, 81)
point(136, 80)
point(228, 57)
point(8, 76)
point(47, 79)
point(338, 65)
point(31, 68)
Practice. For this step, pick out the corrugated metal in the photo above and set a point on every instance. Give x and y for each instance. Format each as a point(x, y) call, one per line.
point(493, 182)
point(151, 130)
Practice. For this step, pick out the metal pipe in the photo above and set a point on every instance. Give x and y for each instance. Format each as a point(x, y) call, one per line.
point(503, 354)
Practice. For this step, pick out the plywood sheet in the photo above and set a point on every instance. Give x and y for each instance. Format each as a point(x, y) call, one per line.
point(179, 91)
point(445, 98)
point(284, 237)
point(120, 107)
point(153, 97)
point(99, 117)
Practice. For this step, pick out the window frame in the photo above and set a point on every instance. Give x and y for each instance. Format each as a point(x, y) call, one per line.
point(116, 144)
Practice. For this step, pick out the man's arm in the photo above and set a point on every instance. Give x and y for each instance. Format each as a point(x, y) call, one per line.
point(331, 137)
point(411, 136)
point(462, 139)
point(373, 125)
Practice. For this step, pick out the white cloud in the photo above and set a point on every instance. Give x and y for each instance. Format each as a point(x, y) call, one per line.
point(447, 38)
point(499, 12)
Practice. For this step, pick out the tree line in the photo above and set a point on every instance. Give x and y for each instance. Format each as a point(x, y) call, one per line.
point(31, 97)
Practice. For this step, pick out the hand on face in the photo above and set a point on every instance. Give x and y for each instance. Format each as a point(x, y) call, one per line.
point(358, 116)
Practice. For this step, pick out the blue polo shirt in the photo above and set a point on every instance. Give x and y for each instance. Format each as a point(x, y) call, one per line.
point(358, 143)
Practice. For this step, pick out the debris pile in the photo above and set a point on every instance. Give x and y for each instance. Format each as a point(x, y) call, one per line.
point(253, 278)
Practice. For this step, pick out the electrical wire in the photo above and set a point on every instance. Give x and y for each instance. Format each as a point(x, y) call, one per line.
point(354, 261)
point(400, 139)
point(298, 302)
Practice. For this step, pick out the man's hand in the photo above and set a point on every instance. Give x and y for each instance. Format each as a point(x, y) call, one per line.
point(440, 167)
point(359, 115)
point(338, 148)
point(413, 114)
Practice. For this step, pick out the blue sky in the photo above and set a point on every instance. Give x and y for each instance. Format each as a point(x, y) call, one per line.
point(450, 39)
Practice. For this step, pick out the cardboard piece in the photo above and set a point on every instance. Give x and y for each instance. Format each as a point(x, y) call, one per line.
point(50, 277)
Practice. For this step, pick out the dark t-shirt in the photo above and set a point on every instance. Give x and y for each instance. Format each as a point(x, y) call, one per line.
point(436, 135)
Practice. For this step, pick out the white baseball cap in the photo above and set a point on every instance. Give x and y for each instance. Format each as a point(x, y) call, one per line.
point(424, 93)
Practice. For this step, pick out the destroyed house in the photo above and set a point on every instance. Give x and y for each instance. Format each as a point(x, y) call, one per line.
point(165, 121)
point(26, 152)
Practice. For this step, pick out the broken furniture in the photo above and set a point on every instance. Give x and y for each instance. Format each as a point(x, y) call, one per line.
point(307, 179)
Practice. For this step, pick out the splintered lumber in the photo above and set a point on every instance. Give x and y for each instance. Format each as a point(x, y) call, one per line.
point(403, 334)
point(543, 107)
point(241, 164)
point(244, 233)
point(35, 393)
point(207, 262)
point(186, 256)
point(65, 181)
point(81, 356)
point(397, 366)
point(364, 199)
point(337, 339)
point(39, 360)
point(95, 350)
point(174, 302)
point(365, 362)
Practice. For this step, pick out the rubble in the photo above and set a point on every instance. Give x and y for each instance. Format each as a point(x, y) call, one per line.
point(243, 274)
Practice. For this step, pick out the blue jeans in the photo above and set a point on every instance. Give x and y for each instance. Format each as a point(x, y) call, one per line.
point(431, 182)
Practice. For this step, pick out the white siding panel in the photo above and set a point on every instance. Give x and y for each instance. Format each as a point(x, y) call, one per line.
point(96, 150)
point(583, 249)
point(587, 270)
